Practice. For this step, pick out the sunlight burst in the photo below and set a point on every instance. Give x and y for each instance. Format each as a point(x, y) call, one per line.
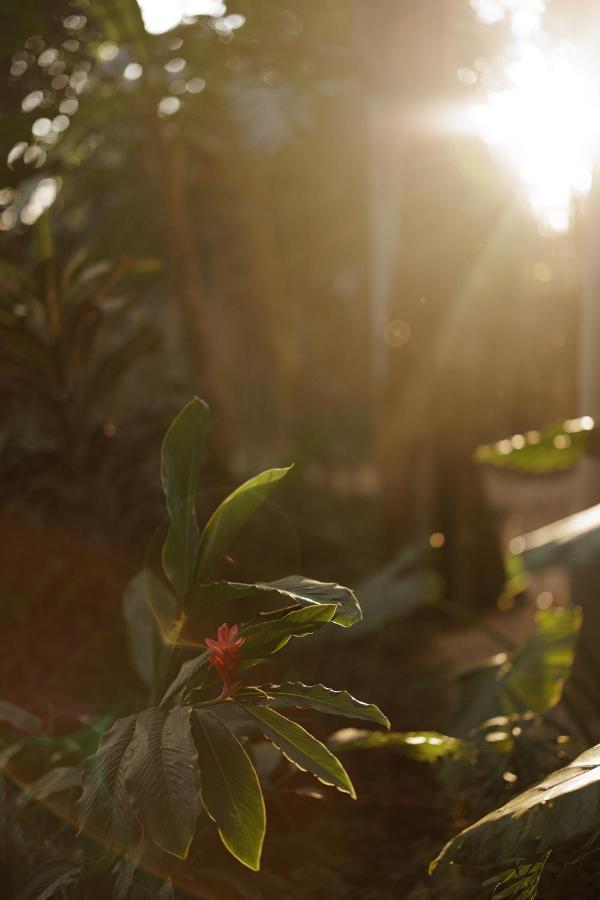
point(541, 117)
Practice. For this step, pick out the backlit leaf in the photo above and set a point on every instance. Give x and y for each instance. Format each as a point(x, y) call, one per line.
point(230, 516)
point(324, 699)
point(300, 747)
point(231, 791)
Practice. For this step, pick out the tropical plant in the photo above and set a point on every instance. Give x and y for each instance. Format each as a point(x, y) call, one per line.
point(190, 758)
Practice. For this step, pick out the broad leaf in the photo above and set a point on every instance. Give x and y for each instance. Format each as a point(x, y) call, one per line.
point(267, 637)
point(561, 809)
point(230, 516)
point(162, 778)
point(324, 699)
point(231, 791)
point(528, 680)
point(148, 606)
point(293, 590)
point(183, 452)
point(104, 806)
point(425, 746)
point(300, 747)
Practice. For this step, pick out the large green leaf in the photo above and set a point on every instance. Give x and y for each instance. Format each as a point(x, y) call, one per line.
point(183, 452)
point(162, 780)
point(146, 604)
point(324, 699)
point(300, 747)
point(230, 516)
point(104, 805)
point(203, 599)
point(271, 635)
point(561, 809)
point(557, 447)
point(529, 680)
point(231, 791)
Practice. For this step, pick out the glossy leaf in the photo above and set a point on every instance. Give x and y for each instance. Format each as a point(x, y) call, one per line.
point(561, 809)
point(270, 636)
point(104, 805)
point(293, 590)
point(324, 699)
point(161, 776)
point(230, 791)
point(425, 746)
point(183, 452)
point(300, 747)
point(230, 516)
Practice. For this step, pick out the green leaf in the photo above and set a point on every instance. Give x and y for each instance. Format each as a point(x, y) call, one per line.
point(270, 636)
point(324, 699)
point(202, 599)
point(300, 747)
point(146, 604)
point(104, 806)
point(161, 776)
point(528, 680)
point(231, 791)
point(54, 781)
point(561, 809)
point(307, 591)
point(557, 447)
point(521, 882)
point(425, 746)
point(231, 515)
point(183, 452)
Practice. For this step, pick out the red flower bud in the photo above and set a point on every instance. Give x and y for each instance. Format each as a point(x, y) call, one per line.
point(224, 655)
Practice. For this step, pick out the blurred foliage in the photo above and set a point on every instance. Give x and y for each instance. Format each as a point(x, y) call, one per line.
point(555, 448)
point(70, 335)
point(572, 543)
point(528, 679)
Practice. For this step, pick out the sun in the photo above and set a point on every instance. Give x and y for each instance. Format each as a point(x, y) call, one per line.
point(541, 117)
